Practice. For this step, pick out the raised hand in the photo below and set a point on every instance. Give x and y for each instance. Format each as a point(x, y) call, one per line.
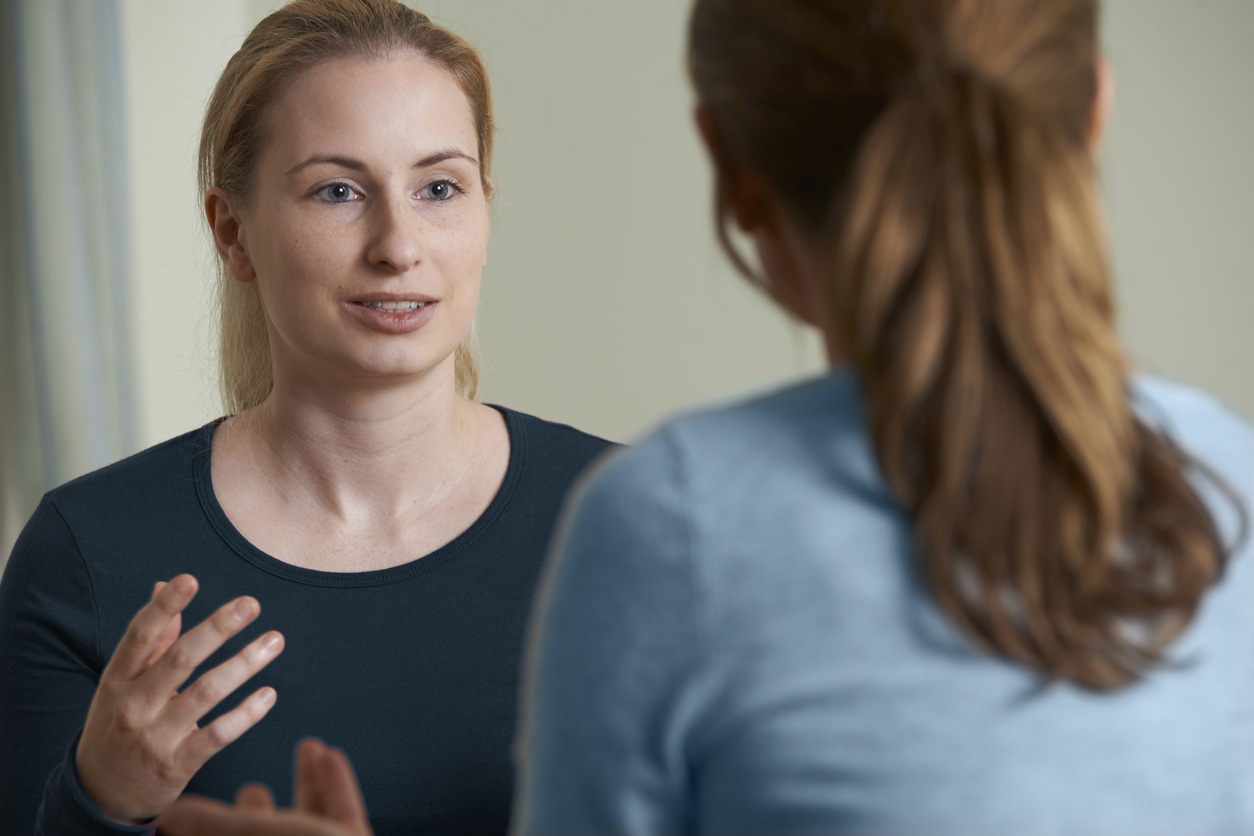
point(328, 803)
point(141, 743)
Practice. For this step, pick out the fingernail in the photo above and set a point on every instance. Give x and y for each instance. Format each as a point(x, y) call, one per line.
point(267, 695)
point(242, 609)
point(184, 584)
point(270, 642)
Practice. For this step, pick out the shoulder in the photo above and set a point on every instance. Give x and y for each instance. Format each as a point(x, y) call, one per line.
point(769, 445)
point(147, 479)
point(801, 413)
point(555, 449)
point(1201, 424)
point(741, 455)
point(1177, 406)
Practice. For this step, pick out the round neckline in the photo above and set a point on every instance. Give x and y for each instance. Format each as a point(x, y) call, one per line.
point(431, 561)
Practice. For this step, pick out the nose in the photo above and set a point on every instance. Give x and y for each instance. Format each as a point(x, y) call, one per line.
point(396, 239)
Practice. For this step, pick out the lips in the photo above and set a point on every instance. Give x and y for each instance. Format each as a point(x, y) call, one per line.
point(393, 313)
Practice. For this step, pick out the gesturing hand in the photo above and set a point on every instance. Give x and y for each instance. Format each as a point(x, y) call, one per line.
point(141, 743)
point(327, 803)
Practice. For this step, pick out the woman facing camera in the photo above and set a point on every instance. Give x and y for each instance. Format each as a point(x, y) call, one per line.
point(358, 511)
point(980, 579)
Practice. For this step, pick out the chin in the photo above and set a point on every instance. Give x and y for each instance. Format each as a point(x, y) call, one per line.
point(403, 369)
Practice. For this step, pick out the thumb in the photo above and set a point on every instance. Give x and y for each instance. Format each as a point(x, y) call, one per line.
point(191, 816)
point(342, 797)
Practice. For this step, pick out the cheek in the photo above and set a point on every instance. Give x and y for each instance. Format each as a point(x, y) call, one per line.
point(304, 256)
point(296, 272)
point(460, 249)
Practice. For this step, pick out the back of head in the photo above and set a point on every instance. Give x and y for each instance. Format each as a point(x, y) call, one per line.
point(283, 45)
point(938, 152)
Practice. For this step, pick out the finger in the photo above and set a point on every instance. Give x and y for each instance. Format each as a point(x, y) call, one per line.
point(342, 801)
point(202, 744)
point(196, 645)
point(149, 626)
point(255, 798)
point(307, 793)
point(213, 686)
point(168, 638)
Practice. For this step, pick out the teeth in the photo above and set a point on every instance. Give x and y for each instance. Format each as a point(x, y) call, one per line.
point(394, 307)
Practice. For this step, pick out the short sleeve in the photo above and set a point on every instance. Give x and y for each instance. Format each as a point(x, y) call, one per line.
point(610, 694)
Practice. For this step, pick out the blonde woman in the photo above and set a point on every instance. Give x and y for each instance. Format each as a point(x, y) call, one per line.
point(358, 512)
point(980, 579)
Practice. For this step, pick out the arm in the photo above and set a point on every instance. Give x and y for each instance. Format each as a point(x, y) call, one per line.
point(140, 741)
point(49, 666)
point(610, 703)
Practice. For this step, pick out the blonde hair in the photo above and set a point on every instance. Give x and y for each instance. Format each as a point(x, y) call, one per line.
point(938, 150)
point(280, 47)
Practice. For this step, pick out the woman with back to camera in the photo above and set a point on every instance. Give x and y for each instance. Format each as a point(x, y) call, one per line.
point(979, 579)
point(391, 527)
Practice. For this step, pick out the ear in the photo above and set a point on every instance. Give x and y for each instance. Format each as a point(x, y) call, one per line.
point(490, 189)
point(708, 133)
point(746, 196)
point(1103, 101)
point(228, 239)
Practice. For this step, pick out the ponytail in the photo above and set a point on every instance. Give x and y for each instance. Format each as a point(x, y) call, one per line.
point(972, 296)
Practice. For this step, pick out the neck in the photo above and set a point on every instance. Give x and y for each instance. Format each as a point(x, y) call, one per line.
point(351, 453)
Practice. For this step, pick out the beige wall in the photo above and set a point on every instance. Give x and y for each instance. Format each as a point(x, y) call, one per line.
point(174, 50)
point(1178, 176)
point(606, 303)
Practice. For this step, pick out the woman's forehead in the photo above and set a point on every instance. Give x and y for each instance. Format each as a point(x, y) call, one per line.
point(402, 104)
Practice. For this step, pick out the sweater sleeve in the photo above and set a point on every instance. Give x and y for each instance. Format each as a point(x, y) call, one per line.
point(49, 667)
point(612, 677)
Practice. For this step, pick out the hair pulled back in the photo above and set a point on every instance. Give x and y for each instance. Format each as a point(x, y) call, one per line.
point(284, 44)
point(938, 150)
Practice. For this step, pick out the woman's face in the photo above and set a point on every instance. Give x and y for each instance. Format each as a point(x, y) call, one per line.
point(368, 223)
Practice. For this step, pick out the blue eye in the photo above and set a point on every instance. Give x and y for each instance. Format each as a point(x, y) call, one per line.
point(337, 193)
point(440, 190)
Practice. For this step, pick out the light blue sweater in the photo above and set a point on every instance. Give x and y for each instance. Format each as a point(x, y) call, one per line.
point(735, 638)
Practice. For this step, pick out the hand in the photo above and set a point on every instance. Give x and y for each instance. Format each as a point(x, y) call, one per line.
point(327, 803)
point(141, 743)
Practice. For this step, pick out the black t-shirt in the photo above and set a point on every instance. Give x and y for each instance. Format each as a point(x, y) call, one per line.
point(413, 670)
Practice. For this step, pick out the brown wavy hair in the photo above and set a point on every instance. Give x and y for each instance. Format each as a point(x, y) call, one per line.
point(280, 47)
point(938, 151)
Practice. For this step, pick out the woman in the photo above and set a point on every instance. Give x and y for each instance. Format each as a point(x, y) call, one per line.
point(383, 528)
point(980, 579)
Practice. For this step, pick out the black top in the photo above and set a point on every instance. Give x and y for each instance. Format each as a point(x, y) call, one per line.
point(413, 670)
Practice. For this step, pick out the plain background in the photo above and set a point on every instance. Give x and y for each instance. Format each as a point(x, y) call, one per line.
point(606, 303)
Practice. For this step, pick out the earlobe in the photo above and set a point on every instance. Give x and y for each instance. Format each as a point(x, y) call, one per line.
point(224, 222)
point(748, 202)
point(705, 129)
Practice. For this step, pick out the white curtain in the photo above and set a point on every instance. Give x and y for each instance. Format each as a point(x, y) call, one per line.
point(66, 363)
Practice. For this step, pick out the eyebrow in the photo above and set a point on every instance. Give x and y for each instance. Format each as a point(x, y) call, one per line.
point(357, 165)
